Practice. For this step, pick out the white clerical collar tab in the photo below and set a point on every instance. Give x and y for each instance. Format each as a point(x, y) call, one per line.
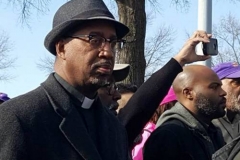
point(87, 103)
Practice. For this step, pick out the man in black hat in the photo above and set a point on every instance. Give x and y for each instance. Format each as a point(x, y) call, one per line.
point(63, 118)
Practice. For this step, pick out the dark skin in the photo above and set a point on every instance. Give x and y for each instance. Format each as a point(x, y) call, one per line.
point(109, 96)
point(83, 65)
point(198, 80)
point(232, 87)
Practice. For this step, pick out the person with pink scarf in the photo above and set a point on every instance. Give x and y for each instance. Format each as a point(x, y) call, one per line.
point(167, 103)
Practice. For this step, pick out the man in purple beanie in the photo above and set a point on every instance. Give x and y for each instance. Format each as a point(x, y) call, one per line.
point(229, 74)
point(3, 97)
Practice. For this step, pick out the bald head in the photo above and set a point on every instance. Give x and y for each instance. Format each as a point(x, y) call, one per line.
point(198, 88)
point(192, 75)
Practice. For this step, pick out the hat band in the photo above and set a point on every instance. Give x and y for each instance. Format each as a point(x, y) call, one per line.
point(90, 14)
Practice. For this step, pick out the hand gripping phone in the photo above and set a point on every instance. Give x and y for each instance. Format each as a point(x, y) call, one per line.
point(210, 48)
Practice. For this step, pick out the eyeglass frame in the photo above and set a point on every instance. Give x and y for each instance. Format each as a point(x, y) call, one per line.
point(104, 40)
point(111, 88)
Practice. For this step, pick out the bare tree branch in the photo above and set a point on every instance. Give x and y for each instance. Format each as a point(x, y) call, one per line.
point(26, 7)
point(155, 5)
point(158, 48)
point(6, 61)
point(182, 5)
point(228, 34)
point(46, 64)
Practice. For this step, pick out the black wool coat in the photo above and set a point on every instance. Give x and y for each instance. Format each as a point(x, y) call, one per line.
point(44, 125)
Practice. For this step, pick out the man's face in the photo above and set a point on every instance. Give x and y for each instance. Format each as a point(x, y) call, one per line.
point(85, 63)
point(209, 99)
point(109, 96)
point(232, 87)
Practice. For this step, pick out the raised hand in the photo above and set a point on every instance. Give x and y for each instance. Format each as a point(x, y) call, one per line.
point(188, 54)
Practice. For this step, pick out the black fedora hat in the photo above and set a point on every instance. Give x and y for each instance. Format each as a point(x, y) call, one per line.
point(75, 12)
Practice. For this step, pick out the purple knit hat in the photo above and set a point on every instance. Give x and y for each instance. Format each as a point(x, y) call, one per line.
point(227, 70)
point(4, 97)
point(169, 97)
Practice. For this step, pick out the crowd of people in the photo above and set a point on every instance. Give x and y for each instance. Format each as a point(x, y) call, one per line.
point(83, 112)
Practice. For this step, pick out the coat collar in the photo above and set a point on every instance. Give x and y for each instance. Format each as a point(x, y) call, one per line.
point(72, 125)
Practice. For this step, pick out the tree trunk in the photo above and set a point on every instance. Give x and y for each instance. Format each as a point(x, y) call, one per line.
point(132, 13)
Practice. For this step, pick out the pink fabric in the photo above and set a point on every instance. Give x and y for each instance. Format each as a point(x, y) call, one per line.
point(169, 97)
point(137, 150)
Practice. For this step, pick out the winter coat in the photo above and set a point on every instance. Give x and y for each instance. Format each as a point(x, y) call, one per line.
point(180, 136)
point(44, 124)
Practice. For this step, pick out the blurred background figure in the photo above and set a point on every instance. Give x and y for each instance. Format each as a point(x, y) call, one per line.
point(229, 74)
point(167, 103)
point(109, 94)
point(3, 97)
point(126, 91)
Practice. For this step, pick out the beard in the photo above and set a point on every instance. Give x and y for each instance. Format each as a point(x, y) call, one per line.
point(99, 82)
point(99, 79)
point(113, 107)
point(233, 102)
point(208, 107)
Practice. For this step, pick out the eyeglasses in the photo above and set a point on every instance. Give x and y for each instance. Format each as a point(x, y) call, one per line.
point(98, 41)
point(111, 88)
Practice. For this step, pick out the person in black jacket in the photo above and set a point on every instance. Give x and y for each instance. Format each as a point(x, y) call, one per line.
point(185, 132)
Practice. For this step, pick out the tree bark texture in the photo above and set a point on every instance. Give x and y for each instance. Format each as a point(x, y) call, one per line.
point(132, 13)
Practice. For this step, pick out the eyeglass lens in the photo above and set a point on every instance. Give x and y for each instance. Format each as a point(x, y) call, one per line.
point(112, 88)
point(99, 41)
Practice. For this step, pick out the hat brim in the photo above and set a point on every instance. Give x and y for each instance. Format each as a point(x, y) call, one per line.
point(4, 99)
point(234, 75)
point(58, 31)
point(120, 72)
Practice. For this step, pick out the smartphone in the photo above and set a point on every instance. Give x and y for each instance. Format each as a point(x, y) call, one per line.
point(210, 48)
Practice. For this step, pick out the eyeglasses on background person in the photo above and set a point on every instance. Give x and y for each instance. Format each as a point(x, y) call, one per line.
point(111, 88)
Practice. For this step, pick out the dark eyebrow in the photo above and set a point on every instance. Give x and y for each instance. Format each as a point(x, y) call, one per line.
point(215, 84)
point(236, 79)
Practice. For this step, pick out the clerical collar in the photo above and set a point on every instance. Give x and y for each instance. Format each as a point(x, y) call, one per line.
point(86, 102)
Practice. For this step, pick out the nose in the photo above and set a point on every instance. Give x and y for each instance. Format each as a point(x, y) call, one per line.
point(106, 51)
point(223, 93)
point(116, 96)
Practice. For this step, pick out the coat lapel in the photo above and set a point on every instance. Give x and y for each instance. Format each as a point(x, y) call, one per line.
point(112, 142)
point(72, 125)
point(74, 130)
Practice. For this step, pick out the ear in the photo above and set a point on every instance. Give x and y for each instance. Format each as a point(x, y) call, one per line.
point(60, 49)
point(188, 93)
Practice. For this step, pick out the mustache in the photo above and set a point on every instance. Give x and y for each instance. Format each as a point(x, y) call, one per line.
point(223, 100)
point(102, 63)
